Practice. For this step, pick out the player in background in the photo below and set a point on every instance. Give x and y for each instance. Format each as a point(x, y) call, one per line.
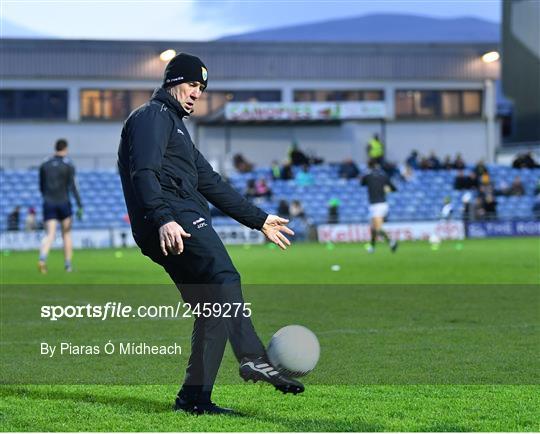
point(57, 183)
point(378, 184)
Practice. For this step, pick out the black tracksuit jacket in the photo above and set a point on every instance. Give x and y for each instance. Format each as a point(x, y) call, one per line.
point(376, 181)
point(163, 173)
point(57, 180)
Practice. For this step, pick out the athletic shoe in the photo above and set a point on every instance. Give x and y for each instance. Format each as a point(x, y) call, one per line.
point(200, 408)
point(259, 369)
point(68, 268)
point(393, 246)
point(42, 267)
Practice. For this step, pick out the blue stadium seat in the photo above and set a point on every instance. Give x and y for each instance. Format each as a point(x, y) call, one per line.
point(422, 198)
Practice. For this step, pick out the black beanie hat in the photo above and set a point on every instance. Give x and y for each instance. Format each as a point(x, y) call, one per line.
point(183, 68)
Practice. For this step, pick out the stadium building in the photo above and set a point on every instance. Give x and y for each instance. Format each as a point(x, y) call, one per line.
point(428, 88)
point(428, 96)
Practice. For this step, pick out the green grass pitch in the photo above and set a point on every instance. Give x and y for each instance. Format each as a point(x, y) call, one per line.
point(400, 325)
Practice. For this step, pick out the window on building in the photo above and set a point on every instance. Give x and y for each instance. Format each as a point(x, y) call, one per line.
point(404, 103)
point(24, 104)
point(426, 103)
point(7, 104)
point(438, 103)
point(472, 103)
point(338, 95)
point(108, 104)
point(450, 104)
point(214, 100)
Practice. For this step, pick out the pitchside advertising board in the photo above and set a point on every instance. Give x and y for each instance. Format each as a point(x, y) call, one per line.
point(337, 233)
point(116, 238)
point(516, 228)
point(350, 233)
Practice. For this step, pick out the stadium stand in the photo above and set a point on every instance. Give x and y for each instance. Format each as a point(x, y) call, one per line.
point(418, 199)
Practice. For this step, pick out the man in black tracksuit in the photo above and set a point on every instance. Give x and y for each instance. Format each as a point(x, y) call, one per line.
point(167, 184)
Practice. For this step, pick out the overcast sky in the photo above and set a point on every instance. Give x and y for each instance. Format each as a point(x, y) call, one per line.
point(205, 19)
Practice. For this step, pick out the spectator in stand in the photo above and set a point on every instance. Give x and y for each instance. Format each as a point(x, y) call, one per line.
point(537, 188)
point(251, 190)
point(241, 164)
point(14, 219)
point(536, 208)
point(485, 189)
point(478, 211)
point(482, 174)
point(525, 161)
point(299, 221)
point(484, 179)
point(459, 162)
point(412, 160)
point(462, 181)
point(433, 161)
point(287, 172)
point(304, 178)
point(475, 183)
point(375, 150)
point(296, 210)
point(313, 159)
point(490, 206)
point(283, 208)
point(424, 163)
point(516, 188)
point(348, 169)
point(480, 169)
point(30, 223)
point(262, 189)
point(447, 163)
point(333, 211)
point(276, 170)
point(390, 169)
point(297, 157)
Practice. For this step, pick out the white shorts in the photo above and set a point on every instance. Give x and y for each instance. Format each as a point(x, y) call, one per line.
point(378, 210)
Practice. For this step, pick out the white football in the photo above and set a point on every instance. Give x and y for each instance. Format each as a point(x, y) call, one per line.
point(294, 350)
point(434, 239)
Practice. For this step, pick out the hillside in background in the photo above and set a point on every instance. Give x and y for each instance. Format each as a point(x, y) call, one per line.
point(14, 30)
point(382, 28)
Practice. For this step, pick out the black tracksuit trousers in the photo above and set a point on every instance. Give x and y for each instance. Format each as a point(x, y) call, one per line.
point(204, 273)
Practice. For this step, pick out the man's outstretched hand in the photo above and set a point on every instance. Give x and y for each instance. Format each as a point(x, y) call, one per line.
point(170, 238)
point(273, 229)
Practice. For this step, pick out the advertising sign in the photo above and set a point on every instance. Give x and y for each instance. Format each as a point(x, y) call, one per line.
point(350, 233)
point(516, 228)
point(310, 111)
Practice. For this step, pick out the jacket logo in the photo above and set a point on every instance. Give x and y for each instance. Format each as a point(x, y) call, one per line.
point(178, 130)
point(200, 223)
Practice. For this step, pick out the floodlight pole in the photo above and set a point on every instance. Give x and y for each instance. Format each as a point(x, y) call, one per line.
point(228, 145)
point(383, 134)
point(489, 112)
